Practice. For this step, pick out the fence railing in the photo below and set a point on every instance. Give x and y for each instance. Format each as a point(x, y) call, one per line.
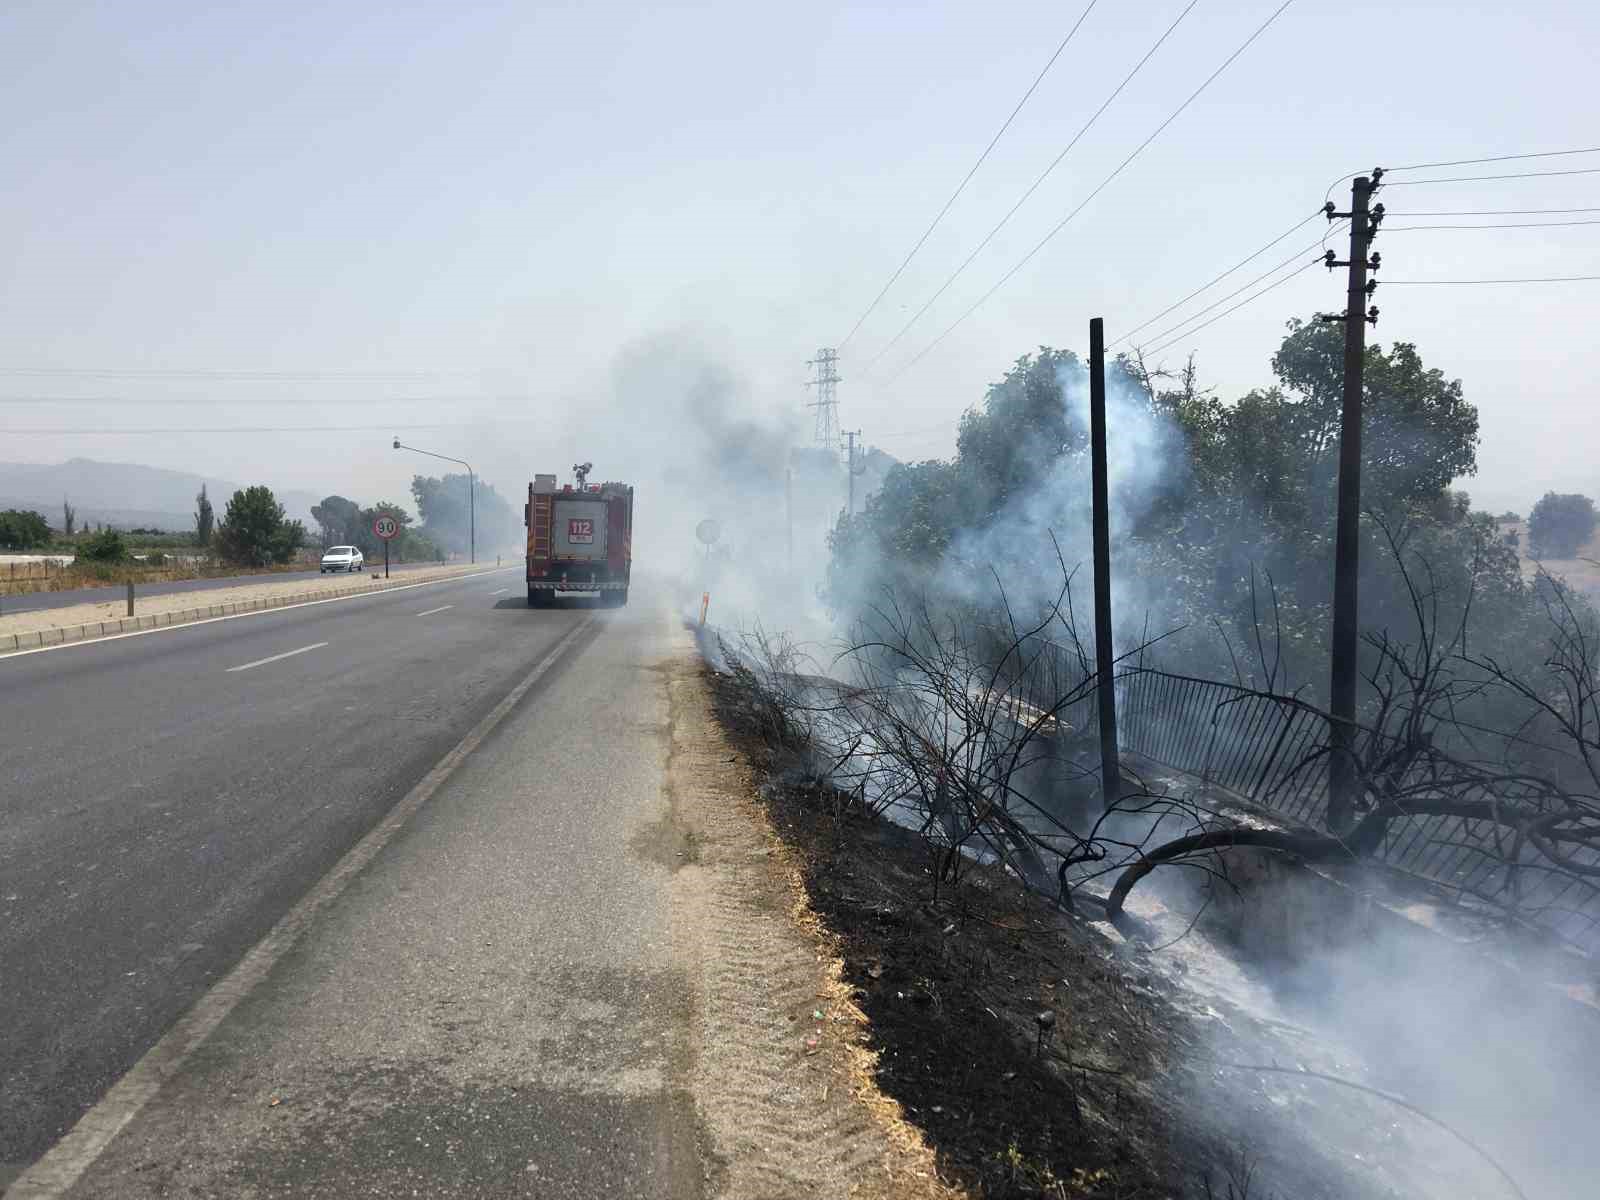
point(1275, 754)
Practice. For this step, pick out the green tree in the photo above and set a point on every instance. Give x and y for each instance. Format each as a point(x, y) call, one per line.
point(69, 518)
point(1561, 524)
point(254, 531)
point(22, 529)
point(1418, 431)
point(369, 543)
point(1024, 426)
point(106, 546)
point(205, 520)
point(338, 519)
point(447, 520)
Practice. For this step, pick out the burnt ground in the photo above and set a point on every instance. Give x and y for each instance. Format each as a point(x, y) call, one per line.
point(1028, 1046)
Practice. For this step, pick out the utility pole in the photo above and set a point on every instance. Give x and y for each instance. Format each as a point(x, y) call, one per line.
point(826, 381)
point(850, 467)
point(1342, 776)
point(1104, 661)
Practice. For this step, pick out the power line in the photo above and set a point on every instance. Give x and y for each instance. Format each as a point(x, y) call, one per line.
point(1278, 283)
point(1034, 186)
point(968, 177)
point(1488, 212)
point(1218, 279)
point(1267, 274)
point(1495, 225)
point(1062, 224)
point(1476, 178)
point(940, 427)
point(1466, 162)
point(1538, 279)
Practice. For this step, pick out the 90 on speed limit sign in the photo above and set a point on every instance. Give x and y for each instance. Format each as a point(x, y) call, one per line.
point(386, 527)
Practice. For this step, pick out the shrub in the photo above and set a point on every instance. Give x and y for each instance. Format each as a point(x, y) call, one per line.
point(106, 546)
point(254, 531)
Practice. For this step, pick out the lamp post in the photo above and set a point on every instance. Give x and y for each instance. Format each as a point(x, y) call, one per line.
point(472, 494)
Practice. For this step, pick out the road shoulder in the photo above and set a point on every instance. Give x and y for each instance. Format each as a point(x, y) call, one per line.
point(782, 1079)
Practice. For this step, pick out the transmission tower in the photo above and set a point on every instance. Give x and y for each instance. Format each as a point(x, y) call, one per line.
point(826, 381)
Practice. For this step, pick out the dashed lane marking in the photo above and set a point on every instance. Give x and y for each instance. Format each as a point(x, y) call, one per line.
point(261, 662)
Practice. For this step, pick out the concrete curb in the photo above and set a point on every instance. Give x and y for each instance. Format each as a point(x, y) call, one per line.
point(89, 631)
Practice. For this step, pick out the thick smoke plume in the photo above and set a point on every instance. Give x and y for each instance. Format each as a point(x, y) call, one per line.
point(700, 442)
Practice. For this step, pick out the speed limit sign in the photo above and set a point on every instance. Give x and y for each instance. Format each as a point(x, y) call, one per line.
point(386, 527)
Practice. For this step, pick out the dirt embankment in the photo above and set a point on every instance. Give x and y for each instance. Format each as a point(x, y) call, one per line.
point(1026, 1049)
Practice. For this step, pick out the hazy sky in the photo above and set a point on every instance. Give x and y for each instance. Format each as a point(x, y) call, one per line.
point(491, 200)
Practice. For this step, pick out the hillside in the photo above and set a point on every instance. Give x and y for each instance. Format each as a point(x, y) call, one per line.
point(126, 495)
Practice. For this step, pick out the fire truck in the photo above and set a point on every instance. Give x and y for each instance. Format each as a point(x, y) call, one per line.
point(580, 539)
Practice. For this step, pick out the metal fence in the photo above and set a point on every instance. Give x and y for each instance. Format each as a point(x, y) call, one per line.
point(1275, 755)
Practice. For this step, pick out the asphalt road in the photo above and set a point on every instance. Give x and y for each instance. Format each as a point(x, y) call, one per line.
point(39, 601)
point(167, 797)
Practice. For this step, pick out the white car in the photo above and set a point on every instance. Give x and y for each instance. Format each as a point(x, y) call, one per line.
point(343, 558)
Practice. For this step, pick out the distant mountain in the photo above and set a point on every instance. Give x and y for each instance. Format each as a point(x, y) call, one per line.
point(125, 495)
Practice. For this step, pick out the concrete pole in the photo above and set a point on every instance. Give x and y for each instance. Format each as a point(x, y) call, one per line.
point(1110, 769)
point(1342, 781)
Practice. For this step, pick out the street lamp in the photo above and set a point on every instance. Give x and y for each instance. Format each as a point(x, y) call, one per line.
point(472, 493)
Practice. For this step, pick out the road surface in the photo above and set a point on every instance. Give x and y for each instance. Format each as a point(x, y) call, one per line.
point(169, 796)
point(39, 601)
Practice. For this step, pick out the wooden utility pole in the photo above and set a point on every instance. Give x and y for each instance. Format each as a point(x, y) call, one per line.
point(1110, 772)
point(1343, 779)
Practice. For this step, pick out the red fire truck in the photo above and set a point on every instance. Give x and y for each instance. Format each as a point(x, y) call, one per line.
point(580, 539)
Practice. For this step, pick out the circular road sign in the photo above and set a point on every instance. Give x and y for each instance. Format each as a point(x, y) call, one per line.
point(386, 527)
point(708, 531)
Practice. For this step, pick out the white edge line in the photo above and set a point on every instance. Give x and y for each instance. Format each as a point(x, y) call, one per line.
point(261, 662)
point(431, 611)
point(117, 637)
point(497, 591)
point(68, 1159)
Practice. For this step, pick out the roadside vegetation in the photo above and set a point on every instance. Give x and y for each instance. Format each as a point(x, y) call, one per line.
point(939, 763)
point(447, 519)
point(251, 535)
point(342, 522)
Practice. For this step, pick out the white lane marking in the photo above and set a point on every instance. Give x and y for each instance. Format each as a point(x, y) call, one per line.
point(497, 591)
point(255, 612)
point(261, 662)
point(431, 611)
point(74, 1154)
